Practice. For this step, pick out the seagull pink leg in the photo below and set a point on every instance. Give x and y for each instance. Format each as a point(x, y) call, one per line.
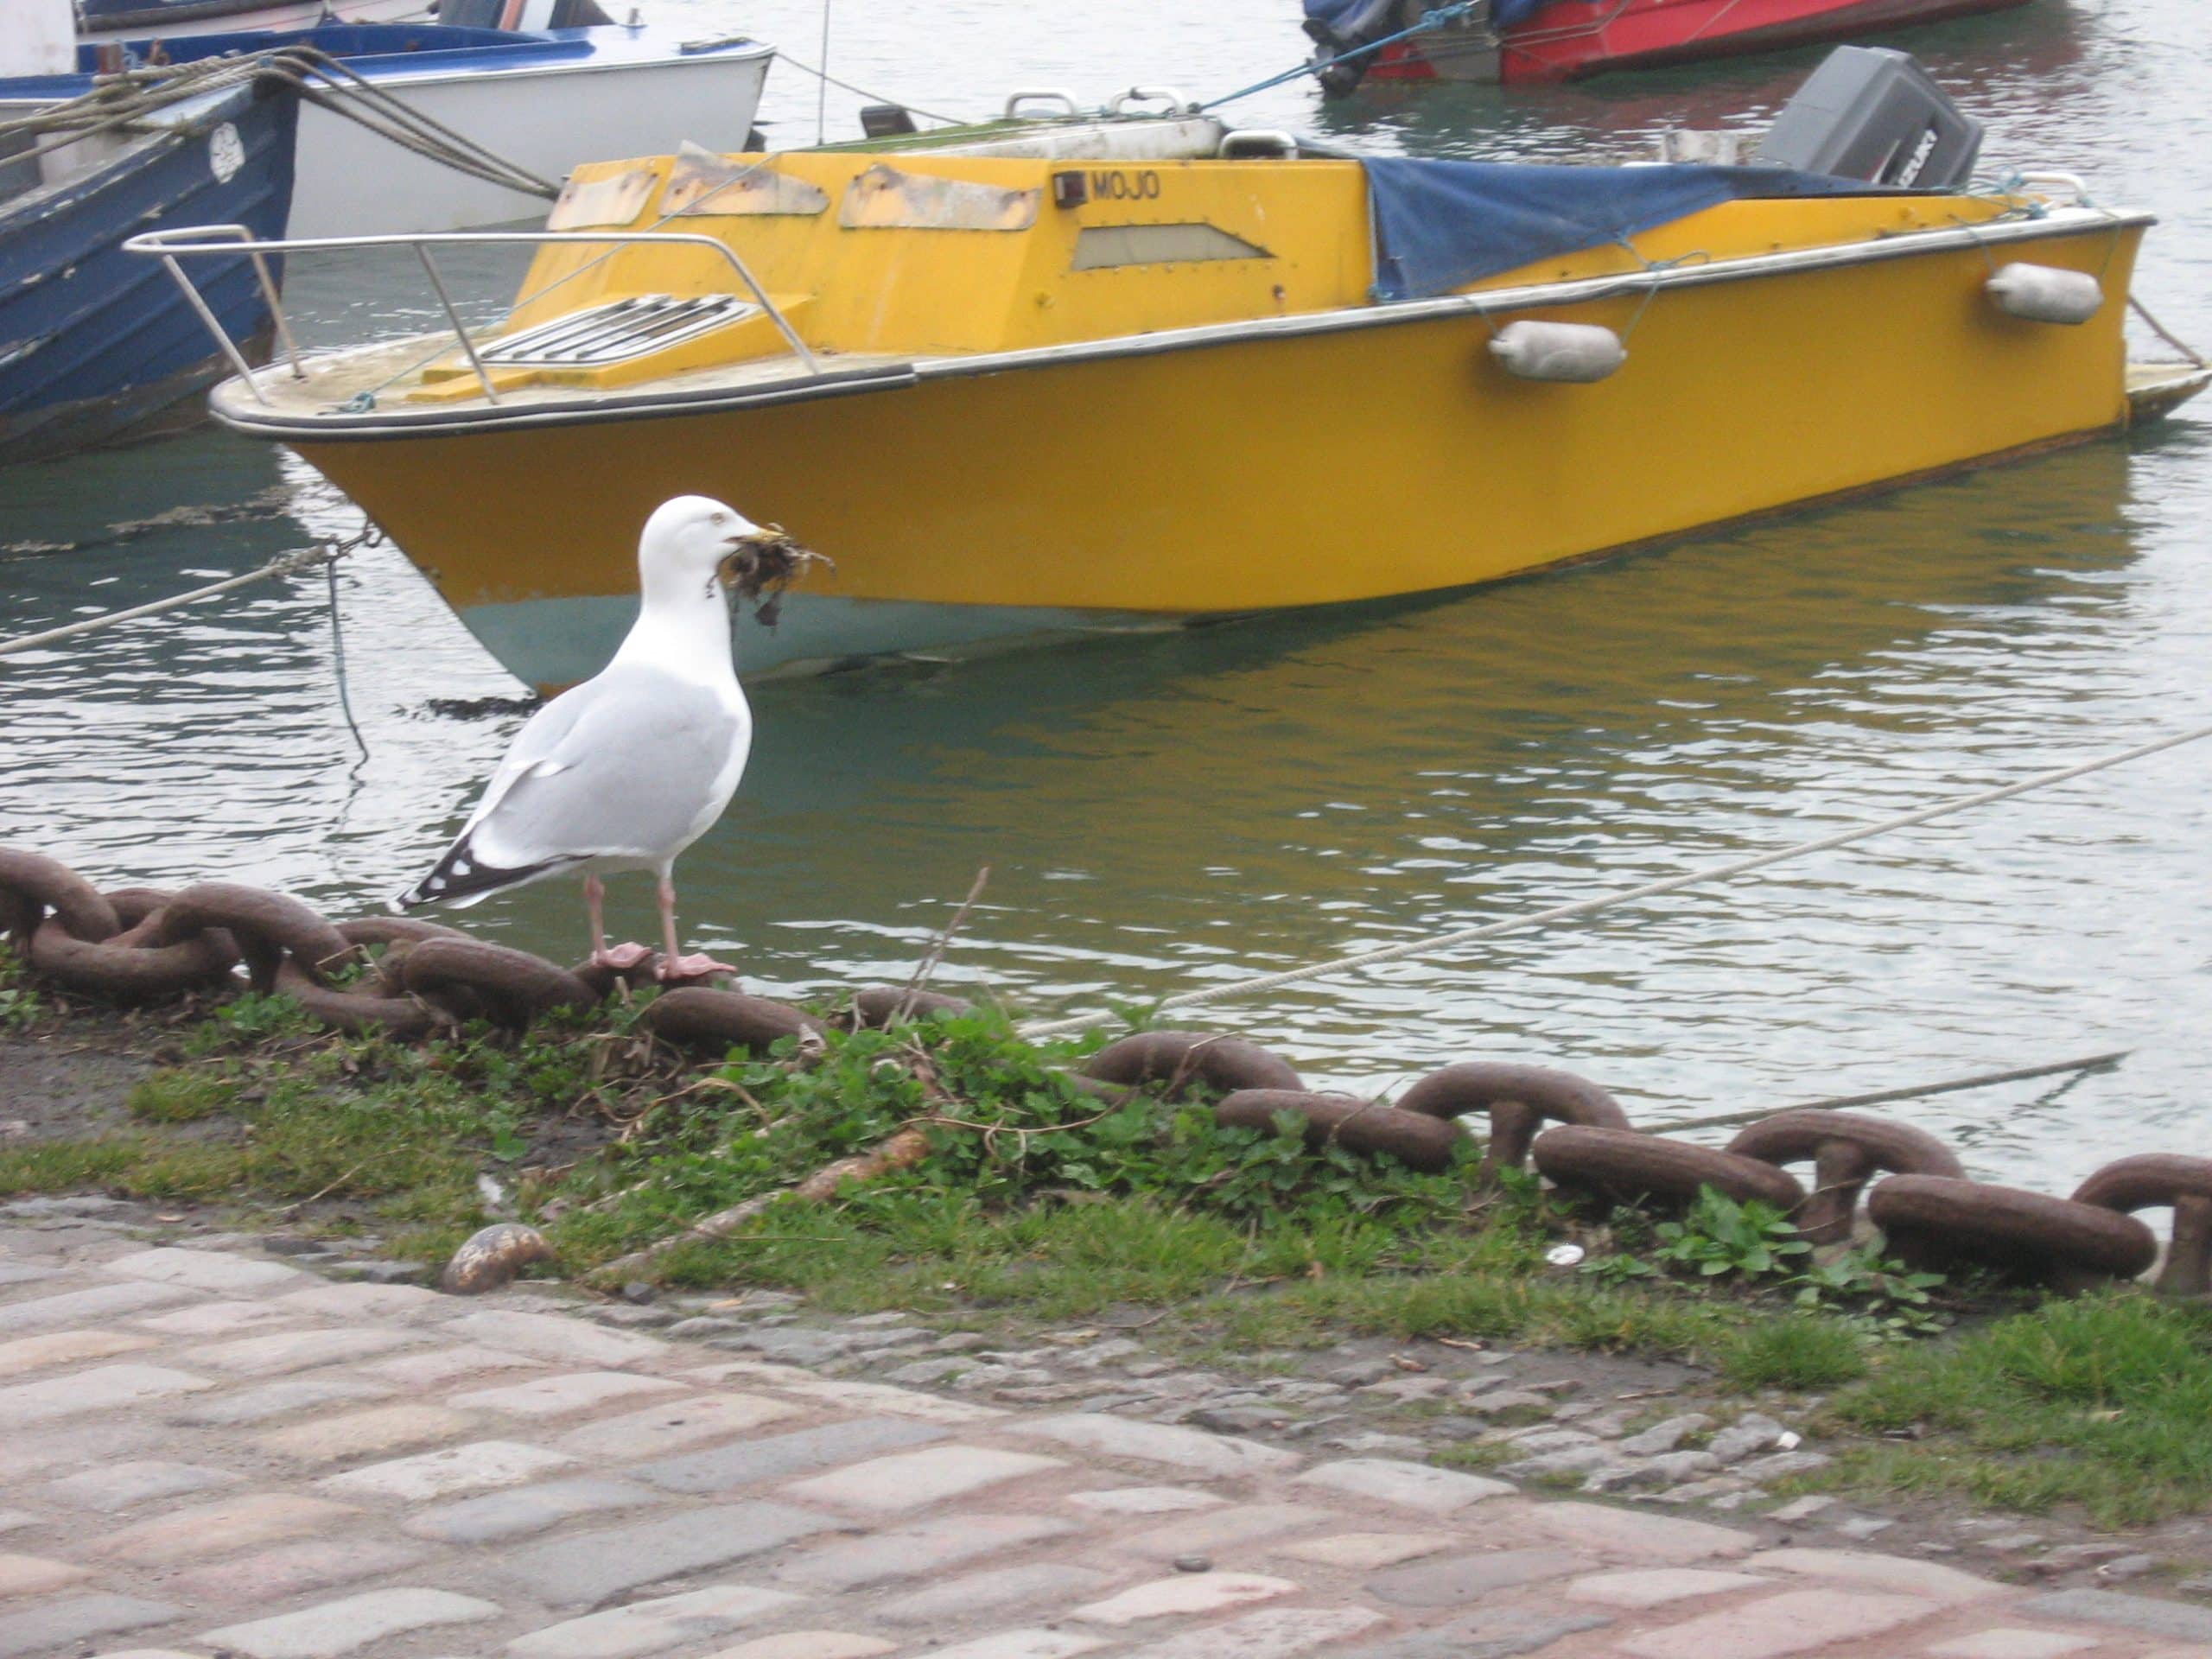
point(623, 957)
point(674, 965)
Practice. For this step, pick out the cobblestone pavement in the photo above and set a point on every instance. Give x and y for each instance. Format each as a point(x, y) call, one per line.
point(207, 1452)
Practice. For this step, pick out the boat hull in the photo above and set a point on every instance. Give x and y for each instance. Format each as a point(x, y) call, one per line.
point(221, 17)
point(354, 183)
point(1173, 483)
point(1590, 37)
point(1167, 479)
point(98, 345)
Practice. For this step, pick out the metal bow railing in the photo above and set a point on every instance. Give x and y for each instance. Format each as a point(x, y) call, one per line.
point(231, 240)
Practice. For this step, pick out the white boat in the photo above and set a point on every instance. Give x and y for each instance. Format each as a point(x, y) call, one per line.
point(116, 20)
point(543, 100)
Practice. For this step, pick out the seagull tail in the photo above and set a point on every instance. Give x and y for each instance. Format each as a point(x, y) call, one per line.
point(461, 879)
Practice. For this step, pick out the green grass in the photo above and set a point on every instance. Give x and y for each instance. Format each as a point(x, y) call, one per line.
point(1039, 1203)
point(2103, 1401)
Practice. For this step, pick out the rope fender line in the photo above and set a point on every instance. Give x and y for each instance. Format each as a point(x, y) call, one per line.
point(1723, 872)
point(142, 945)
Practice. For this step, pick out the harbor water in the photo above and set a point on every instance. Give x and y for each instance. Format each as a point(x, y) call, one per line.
point(1165, 810)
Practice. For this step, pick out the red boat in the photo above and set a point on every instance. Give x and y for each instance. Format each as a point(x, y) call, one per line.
point(1564, 40)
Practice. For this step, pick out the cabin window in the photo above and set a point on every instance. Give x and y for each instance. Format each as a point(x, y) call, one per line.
point(1108, 247)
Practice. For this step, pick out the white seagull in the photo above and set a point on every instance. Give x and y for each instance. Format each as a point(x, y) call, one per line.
point(625, 771)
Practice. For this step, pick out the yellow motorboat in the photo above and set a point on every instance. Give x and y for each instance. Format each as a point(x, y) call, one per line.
point(1086, 373)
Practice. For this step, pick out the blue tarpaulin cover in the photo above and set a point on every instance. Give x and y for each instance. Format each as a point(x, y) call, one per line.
point(1441, 225)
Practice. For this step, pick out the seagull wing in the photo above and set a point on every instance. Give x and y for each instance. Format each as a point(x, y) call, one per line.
point(634, 765)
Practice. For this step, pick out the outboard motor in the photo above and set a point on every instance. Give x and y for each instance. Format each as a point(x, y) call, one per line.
point(1340, 26)
point(1869, 112)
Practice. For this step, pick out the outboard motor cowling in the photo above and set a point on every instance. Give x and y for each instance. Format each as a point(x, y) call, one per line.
point(1871, 113)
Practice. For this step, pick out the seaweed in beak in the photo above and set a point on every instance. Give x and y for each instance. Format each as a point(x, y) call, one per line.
point(762, 564)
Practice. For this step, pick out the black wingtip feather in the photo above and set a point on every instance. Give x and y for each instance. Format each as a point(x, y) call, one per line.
point(458, 876)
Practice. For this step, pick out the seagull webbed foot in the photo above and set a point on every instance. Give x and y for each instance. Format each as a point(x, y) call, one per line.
point(685, 970)
point(622, 958)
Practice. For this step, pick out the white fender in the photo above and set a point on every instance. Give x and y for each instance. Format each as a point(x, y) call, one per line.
point(2044, 294)
point(1574, 352)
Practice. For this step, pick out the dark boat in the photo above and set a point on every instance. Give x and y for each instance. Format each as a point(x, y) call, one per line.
point(97, 345)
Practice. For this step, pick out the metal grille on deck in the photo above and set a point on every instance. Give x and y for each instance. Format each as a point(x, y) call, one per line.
point(620, 329)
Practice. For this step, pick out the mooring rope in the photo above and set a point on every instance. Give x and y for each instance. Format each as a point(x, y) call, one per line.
point(290, 565)
point(1728, 871)
point(1886, 1096)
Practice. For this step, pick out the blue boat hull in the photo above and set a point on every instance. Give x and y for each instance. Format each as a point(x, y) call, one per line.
point(98, 345)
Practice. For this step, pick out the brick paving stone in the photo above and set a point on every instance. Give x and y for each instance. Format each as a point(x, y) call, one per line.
point(1016, 1645)
point(14, 1520)
point(911, 1551)
point(650, 1626)
point(292, 1570)
point(2109, 1607)
point(218, 1319)
point(871, 1398)
point(2008, 1644)
point(230, 1523)
point(1365, 1552)
point(558, 1397)
point(34, 1575)
point(1185, 1596)
point(280, 1352)
point(366, 1434)
point(912, 1480)
point(125, 1485)
point(205, 1270)
point(436, 1367)
point(364, 1302)
point(525, 1509)
point(77, 1307)
point(587, 1567)
point(1410, 1485)
point(670, 1426)
point(1459, 1580)
point(1162, 1443)
point(1233, 1528)
point(50, 1628)
point(66, 1348)
point(802, 1452)
point(1797, 1621)
point(51, 1450)
point(1488, 1633)
point(994, 1592)
point(1657, 1586)
point(1272, 1633)
point(471, 1468)
point(550, 1336)
point(241, 1407)
point(1145, 1500)
point(352, 1622)
point(811, 1644)
point(1938, 1583)
point(1631, 1532)
point(104, 1389)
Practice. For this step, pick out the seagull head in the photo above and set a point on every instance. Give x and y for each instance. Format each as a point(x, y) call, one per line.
point(694, 541)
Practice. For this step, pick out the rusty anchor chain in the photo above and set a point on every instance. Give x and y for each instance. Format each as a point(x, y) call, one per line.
point(407, 980)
